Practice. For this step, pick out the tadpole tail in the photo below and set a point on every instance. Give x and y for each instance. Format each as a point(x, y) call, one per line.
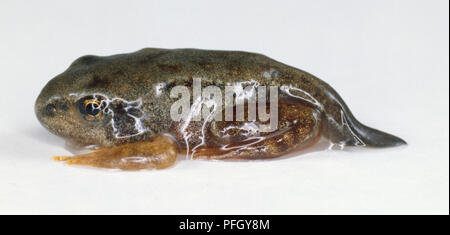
point(344, 128)
point(372, 137)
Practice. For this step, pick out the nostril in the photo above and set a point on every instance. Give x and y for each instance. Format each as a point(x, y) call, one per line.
point(49, 110)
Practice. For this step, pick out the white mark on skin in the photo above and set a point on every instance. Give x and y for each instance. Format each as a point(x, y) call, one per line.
point(272, 73)
point(304, 95)
point(159, 88)
point(55, 97)
point(138, 125)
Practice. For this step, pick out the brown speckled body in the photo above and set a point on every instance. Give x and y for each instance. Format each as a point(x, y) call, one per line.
point(137, 86)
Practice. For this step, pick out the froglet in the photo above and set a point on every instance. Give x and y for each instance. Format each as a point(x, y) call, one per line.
point(144, 109)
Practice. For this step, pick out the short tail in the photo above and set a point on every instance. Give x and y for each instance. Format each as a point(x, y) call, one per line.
point(344, 128)
point(371, 137)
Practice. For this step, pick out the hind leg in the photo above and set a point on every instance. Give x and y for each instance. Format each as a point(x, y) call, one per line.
point(298, 127)
point(158, 153)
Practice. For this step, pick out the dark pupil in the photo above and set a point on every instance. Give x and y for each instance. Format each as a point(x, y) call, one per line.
point(92, 109)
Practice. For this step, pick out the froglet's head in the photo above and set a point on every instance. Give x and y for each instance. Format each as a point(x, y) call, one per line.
point(72, 106)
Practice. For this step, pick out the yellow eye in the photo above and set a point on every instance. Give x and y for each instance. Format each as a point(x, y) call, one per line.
point(92, 108)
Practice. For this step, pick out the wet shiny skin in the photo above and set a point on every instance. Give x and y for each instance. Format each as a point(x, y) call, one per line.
point(121, 104)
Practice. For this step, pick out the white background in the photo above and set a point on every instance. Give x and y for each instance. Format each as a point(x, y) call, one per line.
point(388, 59)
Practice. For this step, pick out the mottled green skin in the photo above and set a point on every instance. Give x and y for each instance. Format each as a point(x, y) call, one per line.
point(140, 75)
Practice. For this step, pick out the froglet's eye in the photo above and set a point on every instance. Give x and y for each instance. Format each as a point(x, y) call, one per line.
point(92, 107)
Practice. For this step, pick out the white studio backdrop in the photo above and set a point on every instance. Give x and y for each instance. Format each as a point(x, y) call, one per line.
point(388, 59)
